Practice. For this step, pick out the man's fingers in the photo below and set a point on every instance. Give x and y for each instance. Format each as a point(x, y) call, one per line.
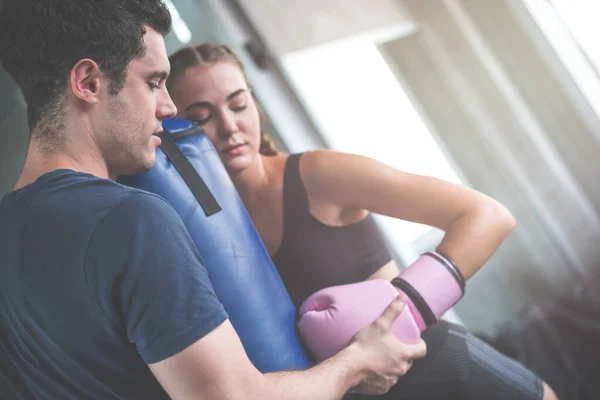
point(377, 388)
point(418, 350)
point(392, 311)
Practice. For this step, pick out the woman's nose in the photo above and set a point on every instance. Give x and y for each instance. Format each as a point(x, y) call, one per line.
point(228, 125)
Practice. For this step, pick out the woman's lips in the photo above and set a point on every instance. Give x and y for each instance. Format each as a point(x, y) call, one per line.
point(235, 149)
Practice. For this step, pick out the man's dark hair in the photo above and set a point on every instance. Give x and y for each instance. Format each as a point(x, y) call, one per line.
point(42, 40)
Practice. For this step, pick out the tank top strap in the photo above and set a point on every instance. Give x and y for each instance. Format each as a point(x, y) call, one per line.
point(295, 198)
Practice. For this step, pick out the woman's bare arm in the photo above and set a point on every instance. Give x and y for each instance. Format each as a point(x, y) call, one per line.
point(475, 224)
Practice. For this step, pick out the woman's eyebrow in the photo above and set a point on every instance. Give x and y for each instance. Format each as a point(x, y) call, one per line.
point(199, 104)
point(232, 95)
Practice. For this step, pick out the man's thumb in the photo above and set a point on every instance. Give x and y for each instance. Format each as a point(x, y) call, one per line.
point(392, 311)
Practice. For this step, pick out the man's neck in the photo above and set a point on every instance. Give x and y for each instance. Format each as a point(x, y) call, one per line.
point(40, 161)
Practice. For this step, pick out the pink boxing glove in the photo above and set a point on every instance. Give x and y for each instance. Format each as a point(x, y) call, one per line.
point(331, 317)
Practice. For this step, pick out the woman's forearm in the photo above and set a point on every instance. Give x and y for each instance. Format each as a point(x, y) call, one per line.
point(472, 238)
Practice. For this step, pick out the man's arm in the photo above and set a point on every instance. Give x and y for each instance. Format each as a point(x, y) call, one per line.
point(216, 367)
point(171, 313)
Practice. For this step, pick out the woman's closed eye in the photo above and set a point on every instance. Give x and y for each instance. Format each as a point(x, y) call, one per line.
point(203, 118)
point(200, 120)
point(200, 115)
point(239, 108)
point(238, 103)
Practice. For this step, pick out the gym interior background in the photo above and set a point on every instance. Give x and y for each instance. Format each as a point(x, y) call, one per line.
point(499, 95)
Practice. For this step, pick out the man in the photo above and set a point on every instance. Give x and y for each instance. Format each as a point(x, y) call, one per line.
point(102, 292)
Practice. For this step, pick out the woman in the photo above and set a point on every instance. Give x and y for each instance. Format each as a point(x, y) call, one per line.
point(313, 210)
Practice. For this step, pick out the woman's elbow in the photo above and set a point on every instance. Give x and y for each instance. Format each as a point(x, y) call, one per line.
point(499, 218)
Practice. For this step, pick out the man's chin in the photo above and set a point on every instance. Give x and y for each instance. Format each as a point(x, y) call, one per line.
point(138, 167)
point(147, 166)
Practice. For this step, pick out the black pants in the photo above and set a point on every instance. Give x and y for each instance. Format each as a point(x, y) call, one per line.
point(460, 366)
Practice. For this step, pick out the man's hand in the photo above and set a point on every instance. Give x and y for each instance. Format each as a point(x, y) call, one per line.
point(387, 358)
point(216, 367)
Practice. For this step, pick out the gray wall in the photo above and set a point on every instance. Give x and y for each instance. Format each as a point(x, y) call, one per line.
point(291, 25)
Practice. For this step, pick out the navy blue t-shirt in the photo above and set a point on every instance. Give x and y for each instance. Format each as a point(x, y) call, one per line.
point(97, 280)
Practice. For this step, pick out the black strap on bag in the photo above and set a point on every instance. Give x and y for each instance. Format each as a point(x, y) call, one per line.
point(189, 174)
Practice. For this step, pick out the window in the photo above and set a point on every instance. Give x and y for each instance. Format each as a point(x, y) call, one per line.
point(571, 28)
point(581, 18)
point(361, 108)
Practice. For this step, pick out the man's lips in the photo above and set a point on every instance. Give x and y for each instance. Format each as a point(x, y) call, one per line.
point(155, 137)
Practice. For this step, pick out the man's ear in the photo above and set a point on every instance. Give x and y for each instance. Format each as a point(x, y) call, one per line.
point(86, 79)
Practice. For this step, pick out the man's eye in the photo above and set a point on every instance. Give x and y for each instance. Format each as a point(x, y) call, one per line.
point(153, 85)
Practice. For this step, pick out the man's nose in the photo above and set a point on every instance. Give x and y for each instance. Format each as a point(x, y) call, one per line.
point(166, 109)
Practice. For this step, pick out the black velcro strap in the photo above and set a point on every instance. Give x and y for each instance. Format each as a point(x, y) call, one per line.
point(450, 266)
point(189, 174)
point(426, 313)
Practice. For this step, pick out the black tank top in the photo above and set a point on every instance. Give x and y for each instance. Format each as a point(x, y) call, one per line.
point(313, 255)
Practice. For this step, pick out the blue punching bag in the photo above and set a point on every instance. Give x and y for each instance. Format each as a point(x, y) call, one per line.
point(240, 269)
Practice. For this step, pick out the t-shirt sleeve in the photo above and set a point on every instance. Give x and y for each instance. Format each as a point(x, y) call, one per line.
point(148, 278)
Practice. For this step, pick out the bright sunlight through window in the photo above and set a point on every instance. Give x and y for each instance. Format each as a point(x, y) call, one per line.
point(581, 16)
point(360, 107)
point(571, 27)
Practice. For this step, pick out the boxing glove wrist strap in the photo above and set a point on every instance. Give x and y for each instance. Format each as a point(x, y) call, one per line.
point(450, 266)
point(432, 284)
point(424, 310)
